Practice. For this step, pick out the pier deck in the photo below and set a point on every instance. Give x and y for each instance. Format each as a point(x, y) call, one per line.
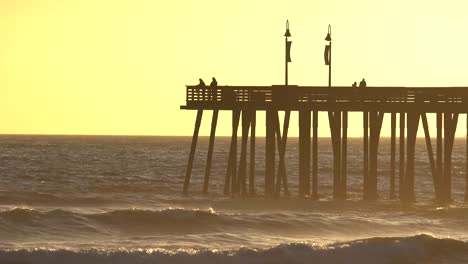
point(279, 97)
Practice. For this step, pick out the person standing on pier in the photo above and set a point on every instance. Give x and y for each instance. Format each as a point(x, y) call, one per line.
point(362, 84)
point(355, 91)
point(214, 87)
point(202, 87)
point(202, 83)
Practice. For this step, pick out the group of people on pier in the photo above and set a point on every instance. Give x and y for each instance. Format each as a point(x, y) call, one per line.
point(362, 84)
point(212, 92)
point(214, 84)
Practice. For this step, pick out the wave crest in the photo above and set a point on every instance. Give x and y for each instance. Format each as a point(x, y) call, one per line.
point(416, 249)
point(172, 220)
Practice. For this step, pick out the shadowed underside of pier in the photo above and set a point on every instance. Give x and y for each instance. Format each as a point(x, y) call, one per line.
point(410, 105)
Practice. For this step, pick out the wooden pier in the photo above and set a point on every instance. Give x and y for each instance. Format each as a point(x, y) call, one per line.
point(409, 104)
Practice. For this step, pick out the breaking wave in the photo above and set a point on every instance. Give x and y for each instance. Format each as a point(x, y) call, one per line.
point(416, 249)
point(197, 221)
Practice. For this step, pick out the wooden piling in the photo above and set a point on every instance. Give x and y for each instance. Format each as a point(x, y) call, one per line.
point(371, 151)
point(380, 117)
point(306, 121)
point(430, 154)
point(336, 141)
point(282, 177)
point(192, 151)
point(271, 117)
point(452, 141)
point(450, 120)
point(446, 165)
point(366, 154)
point(253, 123)
point(234, 177)
point(242, 179)
point(413, 121)
point(439, 157)
point(282, 181)
point(373, 142)
point(214, 121)
point(401, 170)
point(301, 155)
point(304, 146)
point(344, 158)
point(333, 129)
point(315, 157)
point(466, 162)
point(452, 135)
point(231, 172)
point(392, 155)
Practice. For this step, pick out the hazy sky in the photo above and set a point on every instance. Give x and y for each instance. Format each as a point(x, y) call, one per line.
point(121, 66)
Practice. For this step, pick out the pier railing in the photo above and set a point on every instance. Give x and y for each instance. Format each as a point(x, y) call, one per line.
point(387, 99)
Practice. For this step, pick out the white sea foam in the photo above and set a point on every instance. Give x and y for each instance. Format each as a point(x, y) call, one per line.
point(416, 249)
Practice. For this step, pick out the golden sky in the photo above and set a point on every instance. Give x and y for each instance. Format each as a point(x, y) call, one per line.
point(121, 66)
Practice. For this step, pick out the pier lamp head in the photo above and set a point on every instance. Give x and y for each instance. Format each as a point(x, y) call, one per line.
point(287, 34)
point(328, 38)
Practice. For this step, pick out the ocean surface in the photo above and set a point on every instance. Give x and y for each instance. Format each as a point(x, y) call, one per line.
point(104, 199)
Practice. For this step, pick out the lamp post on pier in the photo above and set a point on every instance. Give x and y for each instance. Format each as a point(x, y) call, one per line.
point(288, 50)
point(328, 55)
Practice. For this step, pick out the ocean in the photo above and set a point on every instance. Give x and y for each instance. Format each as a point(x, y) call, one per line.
point(117, 199)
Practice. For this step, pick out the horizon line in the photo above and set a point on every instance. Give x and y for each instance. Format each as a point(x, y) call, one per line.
point(148, 135)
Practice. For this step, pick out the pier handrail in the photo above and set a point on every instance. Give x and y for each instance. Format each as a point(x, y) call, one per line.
point(389, 99)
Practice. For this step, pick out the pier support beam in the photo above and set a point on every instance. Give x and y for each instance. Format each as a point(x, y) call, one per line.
point(344, 157)
point(192, 151)
point(447, 170)
point(241, 186)
point(282, 140)
point(439, 149)
point(315, 156)
point(338, 124)
point(231, 172)
point(336, 141)
point(450, 126)
point(392, 156)
point(430, 153)
point(214, 122)
point(370, 186)
point(401, 171)
point(301, 155)
point(365, 153)
point(253, 123)
point(466, 165)
point(371, 193)
point(271, 118)
point(441, 168)
point(412, 123)
point(304, 153)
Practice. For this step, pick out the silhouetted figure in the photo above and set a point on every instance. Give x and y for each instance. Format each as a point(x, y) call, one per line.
point(202, 86)
point(202, 83)
point(214, 87)
point(362, 84)
point(355, 91)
